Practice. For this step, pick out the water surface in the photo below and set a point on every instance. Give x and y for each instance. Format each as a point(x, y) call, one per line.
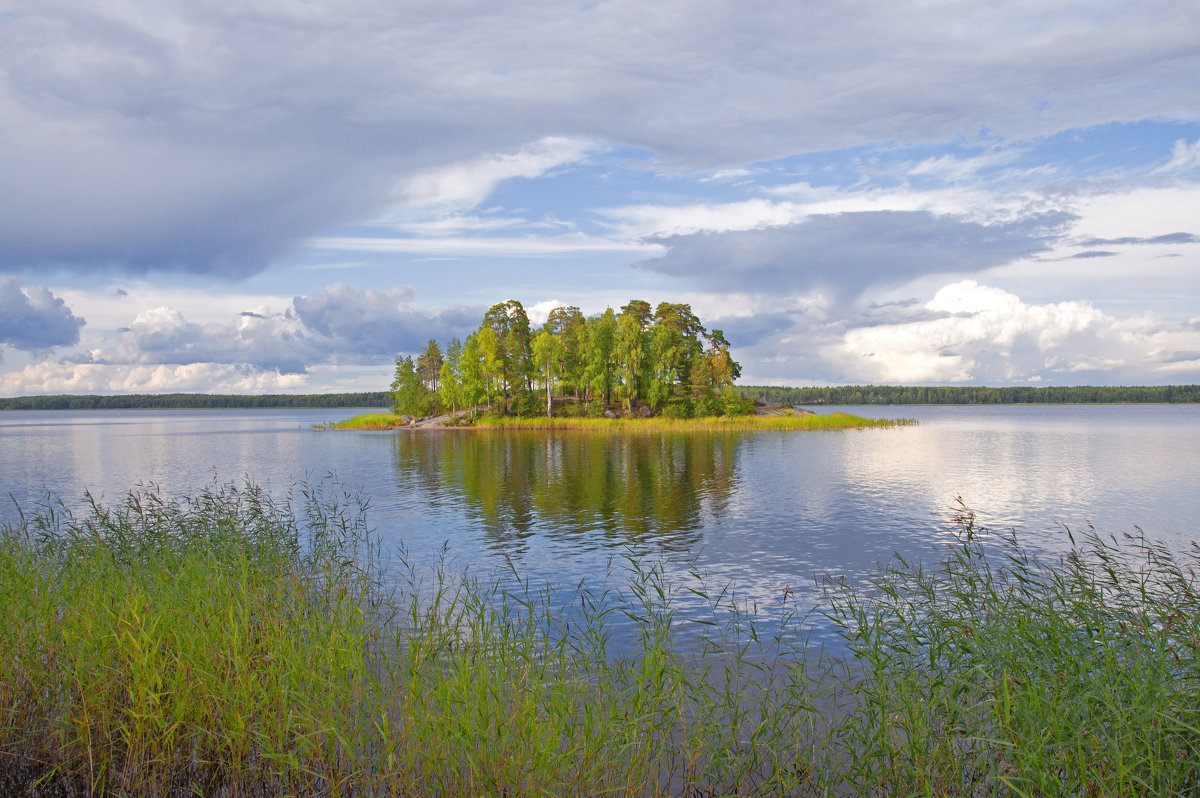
point(768, 513)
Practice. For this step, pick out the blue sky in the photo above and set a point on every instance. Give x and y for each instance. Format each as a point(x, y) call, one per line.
point(280, 196)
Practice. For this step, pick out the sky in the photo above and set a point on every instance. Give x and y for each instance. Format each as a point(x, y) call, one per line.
point(280, 196)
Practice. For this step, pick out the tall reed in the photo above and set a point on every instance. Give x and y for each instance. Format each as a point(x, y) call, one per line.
point(999, 673)
point(229, 643)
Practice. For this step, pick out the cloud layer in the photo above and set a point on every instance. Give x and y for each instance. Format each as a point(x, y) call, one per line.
point(212, 138)
point(846, 252)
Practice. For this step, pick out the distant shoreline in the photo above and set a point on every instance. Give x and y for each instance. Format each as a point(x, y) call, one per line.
point(198, 401)
point(851, 395)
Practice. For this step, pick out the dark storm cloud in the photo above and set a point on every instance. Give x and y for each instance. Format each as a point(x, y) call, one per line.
point(211, 137)
point(746, 331)
point(33, 318)
point(844, 253)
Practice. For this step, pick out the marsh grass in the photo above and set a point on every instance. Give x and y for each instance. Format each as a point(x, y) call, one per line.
point(231, 644)
point(366, 421)
point(813, 421)
point(226, 644)
point(810, 421)
point(999, 673)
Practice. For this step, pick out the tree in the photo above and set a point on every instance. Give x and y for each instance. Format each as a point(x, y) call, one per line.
point(572, 329)
point(629, 352)
point(510, 324)
point(450, 385)
point(409, 395)
point(674, 346)
point(712, 377)
point(548, 351)
point(639, 309)
point(471, 368)
point(429, 365)
point(600, 367)
point(491, 363)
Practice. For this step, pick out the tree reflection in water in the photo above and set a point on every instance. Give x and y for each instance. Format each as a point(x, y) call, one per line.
point(595, 490)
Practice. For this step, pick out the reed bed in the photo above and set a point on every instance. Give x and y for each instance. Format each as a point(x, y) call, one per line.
point(229, 643)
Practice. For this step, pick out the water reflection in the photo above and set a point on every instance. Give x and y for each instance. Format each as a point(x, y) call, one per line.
point(595, 491)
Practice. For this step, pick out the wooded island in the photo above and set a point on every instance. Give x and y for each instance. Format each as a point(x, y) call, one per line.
point(659, 361)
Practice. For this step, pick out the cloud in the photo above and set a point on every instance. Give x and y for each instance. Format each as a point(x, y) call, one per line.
point(1169, 238)
point(466, 184)
point(747, 331)
point(990, 336)
point(1184, 157)
point(276, 342)
point(661, 221)
point(366, 323)
point(211, 139)
point(337, 324)
point(493, 246)
point(32, 318)
point(844, 253)
point(82, 378)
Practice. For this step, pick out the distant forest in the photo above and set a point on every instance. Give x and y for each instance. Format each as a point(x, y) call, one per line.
point(970, 395)
point(843, 395)
point(169, 401)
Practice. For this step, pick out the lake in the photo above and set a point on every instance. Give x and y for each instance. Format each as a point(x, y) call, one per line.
point(767, 513)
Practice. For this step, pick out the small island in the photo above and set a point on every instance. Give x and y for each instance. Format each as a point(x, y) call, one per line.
point(638, 369)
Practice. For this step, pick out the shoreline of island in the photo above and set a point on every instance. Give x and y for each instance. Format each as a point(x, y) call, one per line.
point(768, 419)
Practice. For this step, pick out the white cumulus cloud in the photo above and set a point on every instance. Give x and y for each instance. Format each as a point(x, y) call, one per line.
point(991, 336)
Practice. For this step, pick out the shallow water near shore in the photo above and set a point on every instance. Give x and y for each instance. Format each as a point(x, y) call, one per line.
point(768, 514)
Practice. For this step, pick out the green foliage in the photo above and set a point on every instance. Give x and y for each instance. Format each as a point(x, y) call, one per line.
point(640, 357)
point(527, 404)
point(451, 392)
point(683, 408)
point(410, 396)
point(732, 403)
point(549, 352)
point(600, 372)
point(429, 365)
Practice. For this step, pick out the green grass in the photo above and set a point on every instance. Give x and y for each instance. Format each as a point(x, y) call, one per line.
point(368, 421)
point(814, 421)
point(232, 644)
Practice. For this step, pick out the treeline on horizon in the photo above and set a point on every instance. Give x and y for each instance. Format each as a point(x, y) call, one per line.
point(196, 401)
point(973, 395)
point(652, 360)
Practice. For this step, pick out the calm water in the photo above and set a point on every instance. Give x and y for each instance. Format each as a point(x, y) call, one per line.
point(761, 511)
